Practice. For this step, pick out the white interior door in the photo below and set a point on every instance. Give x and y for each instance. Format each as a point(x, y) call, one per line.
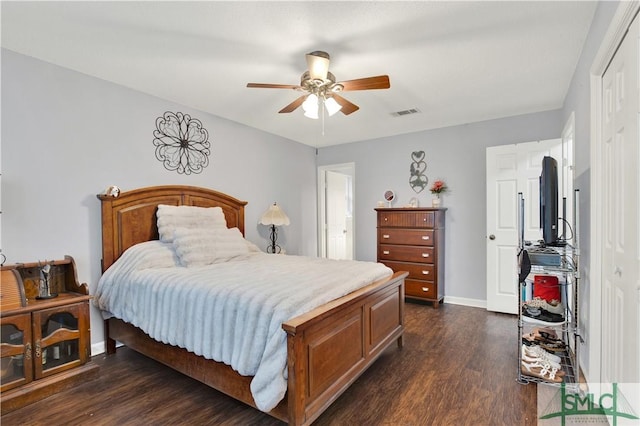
point(335, 204)
point(620, 157)
point(336, 215)
point(512, 169)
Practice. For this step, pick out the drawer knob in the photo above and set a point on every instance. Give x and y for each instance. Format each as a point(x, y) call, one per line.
point(425, 272)
point(385, 219)
point(425, 254)
point(425, 237)
point(385, 236)
point(425, 288)
point(385, 252)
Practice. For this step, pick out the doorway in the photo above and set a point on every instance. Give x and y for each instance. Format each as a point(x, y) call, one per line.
point(512, 169)
point(335, 211)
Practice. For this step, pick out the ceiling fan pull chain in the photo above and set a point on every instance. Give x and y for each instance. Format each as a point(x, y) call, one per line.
point(321, 107)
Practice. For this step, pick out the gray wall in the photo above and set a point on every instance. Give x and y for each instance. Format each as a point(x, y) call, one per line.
point(455, 154)
point(67, 136)
point(578, 101)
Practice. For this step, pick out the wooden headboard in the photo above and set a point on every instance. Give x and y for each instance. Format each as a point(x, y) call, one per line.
point(130, 218)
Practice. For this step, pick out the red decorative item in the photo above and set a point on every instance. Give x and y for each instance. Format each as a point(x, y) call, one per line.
point(438, 187)
point(546, 287)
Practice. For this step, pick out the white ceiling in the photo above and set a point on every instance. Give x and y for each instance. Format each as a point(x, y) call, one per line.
point(456, 62)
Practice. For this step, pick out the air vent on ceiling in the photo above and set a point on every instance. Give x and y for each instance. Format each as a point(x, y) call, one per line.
point(405, 112)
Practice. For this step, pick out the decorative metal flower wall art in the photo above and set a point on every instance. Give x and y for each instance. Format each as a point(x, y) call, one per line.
point(181, 143)
point(418, 180)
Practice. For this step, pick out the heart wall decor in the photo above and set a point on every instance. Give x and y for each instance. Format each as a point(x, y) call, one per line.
point(417, 179)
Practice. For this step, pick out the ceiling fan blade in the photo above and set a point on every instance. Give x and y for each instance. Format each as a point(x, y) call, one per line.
point(293, 105)
point(347, 107)
point(273, 86)
point(318, 63)
point(368, 83)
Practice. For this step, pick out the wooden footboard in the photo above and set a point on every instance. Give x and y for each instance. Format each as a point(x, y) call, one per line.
point(328, 349)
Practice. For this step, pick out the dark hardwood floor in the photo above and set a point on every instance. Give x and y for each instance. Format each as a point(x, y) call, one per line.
point(457, 367)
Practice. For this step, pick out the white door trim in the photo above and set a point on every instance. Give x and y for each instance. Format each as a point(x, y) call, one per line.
point(617, 29)
point(568, 138)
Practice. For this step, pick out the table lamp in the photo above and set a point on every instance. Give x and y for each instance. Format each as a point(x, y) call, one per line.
point(274, 216)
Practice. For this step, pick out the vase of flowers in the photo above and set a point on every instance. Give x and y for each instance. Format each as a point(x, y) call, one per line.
point(437, 188)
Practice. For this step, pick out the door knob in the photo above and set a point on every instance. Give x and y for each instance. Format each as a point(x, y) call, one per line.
point(492, 237)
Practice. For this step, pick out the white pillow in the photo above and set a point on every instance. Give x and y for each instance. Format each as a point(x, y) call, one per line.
point(169, 218)
point(206, 247)
point(252, 247)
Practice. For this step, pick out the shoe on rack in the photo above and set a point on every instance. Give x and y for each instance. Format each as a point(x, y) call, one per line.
point(553, 346)
point(539, 352)
point(555, 307)
point(531, 354)
point(537, 337)
point(542, 370)
point(548, 344)
point(546, 332)
point(541, 316)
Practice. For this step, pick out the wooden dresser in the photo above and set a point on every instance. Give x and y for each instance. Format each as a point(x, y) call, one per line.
point(412, 240)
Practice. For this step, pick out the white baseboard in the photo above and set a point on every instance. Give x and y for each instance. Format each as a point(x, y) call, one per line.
point(476, 303)
point(97, 348)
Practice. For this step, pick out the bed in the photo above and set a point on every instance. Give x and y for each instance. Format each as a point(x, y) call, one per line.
point(327, 348)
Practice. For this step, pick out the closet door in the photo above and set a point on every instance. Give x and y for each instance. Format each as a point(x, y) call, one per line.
point(620, 214)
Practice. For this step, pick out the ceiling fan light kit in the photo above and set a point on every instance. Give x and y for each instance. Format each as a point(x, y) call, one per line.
point(321, 89)
point(332, 106)
point(313, 104)
point(310, 106)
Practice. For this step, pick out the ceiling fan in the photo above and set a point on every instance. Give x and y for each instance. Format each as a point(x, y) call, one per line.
point(320, 88)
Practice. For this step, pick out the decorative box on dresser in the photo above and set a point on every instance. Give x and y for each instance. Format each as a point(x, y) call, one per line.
point(412, 239)
point(45, 342)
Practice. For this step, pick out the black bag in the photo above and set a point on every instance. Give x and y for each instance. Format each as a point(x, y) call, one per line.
point(525, 265)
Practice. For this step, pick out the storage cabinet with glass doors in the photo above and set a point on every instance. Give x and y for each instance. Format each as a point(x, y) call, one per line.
point(45, 339)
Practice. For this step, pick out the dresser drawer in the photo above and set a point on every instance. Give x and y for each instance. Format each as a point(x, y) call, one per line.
point(406, 253)
point(405, 219)
point(411, 237)
point(416, 270)
point(426, 289)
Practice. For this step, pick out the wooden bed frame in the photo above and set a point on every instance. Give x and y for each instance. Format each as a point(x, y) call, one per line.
point(327, 348)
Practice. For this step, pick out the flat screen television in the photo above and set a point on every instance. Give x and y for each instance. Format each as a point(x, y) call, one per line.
point(549, 202)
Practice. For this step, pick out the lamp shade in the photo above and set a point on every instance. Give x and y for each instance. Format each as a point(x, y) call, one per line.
point(311, 114)
point(274, 216)
point(332, 106)
point(310, 106)
point(318, 63)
